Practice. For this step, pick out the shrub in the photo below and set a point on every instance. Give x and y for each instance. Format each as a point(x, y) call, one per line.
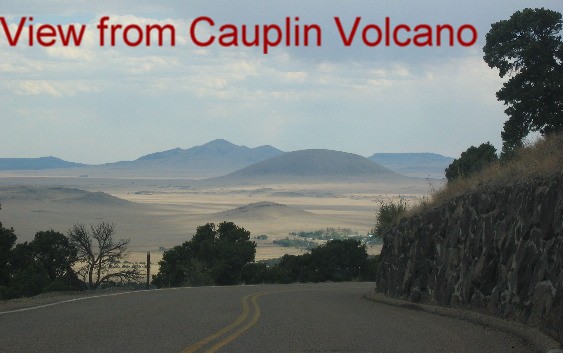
point(388, 215)
point(472, 161)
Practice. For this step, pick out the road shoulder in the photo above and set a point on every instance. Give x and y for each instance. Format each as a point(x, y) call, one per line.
point(540, 341)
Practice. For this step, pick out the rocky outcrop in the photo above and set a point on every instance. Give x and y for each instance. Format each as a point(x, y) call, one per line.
point(498, 251)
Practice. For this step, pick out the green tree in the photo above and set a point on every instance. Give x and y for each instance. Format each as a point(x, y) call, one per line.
point(55, 252)
point(175, 268)
point(214, 255)
point(42, 265)
point(234, 251)
point(292, 268)
point(29, 277)
point(57, 256)
point(471, 161)
point(7, 241)
point(338, 260)
point(528, 49)
point(254, 273)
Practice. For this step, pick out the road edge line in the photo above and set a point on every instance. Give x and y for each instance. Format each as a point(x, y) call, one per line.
point(66, 301)
point(29, 308)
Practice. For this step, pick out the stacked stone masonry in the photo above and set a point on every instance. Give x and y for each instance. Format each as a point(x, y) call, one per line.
point(497, 251)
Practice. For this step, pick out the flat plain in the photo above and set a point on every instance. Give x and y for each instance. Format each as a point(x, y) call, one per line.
point(157, 214)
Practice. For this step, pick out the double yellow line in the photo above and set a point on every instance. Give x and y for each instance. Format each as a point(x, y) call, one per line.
point(236, 328)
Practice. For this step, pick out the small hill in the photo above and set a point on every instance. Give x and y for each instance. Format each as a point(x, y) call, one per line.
point(313, 165)
point(41, 163)
point(98, 198)
point(30, 209)
point(60, 195)
point(272, 218)
point(422, 165)
point(262, 211)
point(38, 193)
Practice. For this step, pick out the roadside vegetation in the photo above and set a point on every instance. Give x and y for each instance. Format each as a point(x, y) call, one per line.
point(337, 260)
point(90, 258)
point(215, 255)
point(541, 159)
point(224, 255)
point(86, 258)
point(389, 214)
point(527, 49)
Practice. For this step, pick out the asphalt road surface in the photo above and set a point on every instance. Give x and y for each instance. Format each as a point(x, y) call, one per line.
point(330, 317)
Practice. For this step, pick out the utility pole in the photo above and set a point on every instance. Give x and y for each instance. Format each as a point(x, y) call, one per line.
point(148, 270)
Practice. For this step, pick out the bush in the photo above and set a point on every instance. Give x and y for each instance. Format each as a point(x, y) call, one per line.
point(254, 273)
point(296, 243)
point(337, 260)
point(388, 215)
point(473, 160)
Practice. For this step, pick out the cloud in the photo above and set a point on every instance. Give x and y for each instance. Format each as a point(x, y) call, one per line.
point(37, 88)
point(354, 99)
point(294, 77)
point(53, 88)
point(70, 53)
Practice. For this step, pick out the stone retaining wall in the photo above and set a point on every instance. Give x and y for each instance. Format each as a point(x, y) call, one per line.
point(497, 251)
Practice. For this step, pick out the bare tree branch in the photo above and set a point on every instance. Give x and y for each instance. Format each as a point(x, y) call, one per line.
point(101, 254)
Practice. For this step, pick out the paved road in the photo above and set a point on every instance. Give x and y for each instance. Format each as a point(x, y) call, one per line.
point(266, 319)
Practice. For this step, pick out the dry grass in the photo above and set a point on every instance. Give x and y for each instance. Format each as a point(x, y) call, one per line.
point(539, 160)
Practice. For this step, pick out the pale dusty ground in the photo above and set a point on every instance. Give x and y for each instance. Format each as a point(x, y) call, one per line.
point(165, 213)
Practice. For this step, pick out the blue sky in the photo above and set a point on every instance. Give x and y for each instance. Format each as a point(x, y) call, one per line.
point(96, 105)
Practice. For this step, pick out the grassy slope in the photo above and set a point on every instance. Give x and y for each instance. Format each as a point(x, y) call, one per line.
point(539, 160)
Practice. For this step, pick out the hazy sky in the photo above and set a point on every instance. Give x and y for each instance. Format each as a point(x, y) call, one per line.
point(94, 105)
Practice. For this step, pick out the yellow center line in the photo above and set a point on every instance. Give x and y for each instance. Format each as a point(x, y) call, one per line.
point(242, 318)
point(194, 347)
point(243, 329)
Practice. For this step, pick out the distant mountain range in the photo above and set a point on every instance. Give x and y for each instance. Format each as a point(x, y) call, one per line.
point(217, 149)
point(218, 157)
point(421, 165)
point(221, 159)
point(36, 163)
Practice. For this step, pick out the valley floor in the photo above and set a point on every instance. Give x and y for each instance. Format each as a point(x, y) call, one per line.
point(157, 214)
